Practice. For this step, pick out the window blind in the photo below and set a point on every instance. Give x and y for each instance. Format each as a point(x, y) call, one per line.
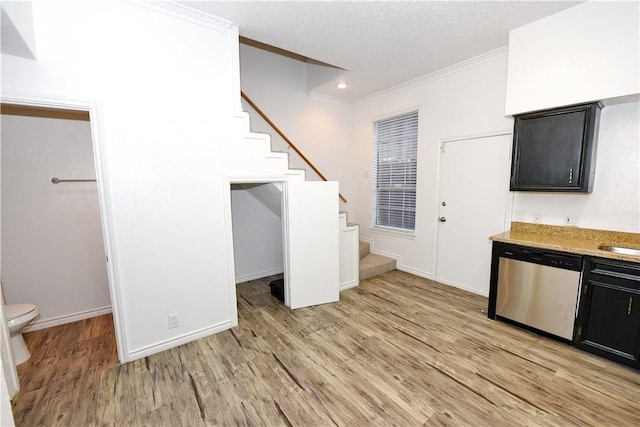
point(395, 148)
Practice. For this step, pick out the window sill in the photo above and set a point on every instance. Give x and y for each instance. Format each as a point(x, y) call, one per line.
point(408, 234)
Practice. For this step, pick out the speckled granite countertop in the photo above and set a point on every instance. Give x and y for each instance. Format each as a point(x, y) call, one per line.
point(582, 241)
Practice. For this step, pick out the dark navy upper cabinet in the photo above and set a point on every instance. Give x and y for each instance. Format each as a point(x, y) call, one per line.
point(555, 150)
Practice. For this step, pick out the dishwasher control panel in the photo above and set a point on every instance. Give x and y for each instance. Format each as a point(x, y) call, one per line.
point(540, 256)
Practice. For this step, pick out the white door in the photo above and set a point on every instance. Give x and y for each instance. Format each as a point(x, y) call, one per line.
point(311, 244)
point(474, 195)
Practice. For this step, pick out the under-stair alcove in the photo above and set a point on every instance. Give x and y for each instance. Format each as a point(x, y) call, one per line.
point(256, 210)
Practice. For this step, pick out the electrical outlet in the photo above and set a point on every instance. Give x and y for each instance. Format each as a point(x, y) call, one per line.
point(537, 218)
point(174, 321)
point(519, 216)
point(571, 220)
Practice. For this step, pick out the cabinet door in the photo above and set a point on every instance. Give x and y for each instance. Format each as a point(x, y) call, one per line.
point(553, 150)
point(612, 320)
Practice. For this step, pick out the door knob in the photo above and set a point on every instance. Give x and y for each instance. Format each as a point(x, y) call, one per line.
point(442, 219)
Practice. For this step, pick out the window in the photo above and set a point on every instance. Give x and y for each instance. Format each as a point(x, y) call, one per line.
point(395, 149)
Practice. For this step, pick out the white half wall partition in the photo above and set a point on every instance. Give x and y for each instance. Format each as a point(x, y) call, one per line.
point(164, 98)
point(161, 164)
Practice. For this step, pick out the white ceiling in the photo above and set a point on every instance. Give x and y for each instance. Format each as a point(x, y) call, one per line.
point(380, 43)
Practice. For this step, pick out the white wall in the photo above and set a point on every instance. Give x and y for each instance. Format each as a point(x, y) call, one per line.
point(464, 100)
point(167, 93)
point(465, 103)
point(257, 237)
point(459, 103)
point(614, 203)
point(162, 85)
point(589, 52)
point(321, 129)
point(52, 245)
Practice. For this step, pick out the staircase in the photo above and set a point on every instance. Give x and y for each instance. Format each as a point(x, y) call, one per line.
point(372, 264)
point(369, 264)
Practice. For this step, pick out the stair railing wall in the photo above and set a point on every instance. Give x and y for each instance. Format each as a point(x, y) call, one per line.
point(289, 143)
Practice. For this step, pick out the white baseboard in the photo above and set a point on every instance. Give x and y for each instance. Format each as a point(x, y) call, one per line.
point(348, 285)
point(399, 265)
point(415, 271)
point(67, 318)
point(179, 340)
point(429, 276)
point(465, 288)
point(259, 275)
point(367, 240)
point(373, 250)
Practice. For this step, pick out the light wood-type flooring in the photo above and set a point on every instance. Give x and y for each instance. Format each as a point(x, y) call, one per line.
point(397, 350)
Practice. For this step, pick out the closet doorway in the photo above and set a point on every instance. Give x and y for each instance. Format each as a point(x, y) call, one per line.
point(256, 210)
point(304, 230)
point(52, 245)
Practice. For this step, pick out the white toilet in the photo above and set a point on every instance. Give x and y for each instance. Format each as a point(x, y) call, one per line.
point(18, 316)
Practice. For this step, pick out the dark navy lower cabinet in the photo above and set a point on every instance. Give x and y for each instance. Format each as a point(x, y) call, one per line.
point(608, 321)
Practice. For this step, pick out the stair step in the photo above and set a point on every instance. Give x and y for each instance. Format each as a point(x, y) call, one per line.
point(364, 249)
point(372, 265)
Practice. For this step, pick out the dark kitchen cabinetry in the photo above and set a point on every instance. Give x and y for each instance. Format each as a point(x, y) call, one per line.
point(608, 321)
point(554, 150)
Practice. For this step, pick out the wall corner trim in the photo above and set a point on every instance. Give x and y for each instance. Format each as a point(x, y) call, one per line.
point(185, 13)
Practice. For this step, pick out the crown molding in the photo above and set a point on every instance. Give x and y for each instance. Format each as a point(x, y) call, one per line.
point(443, 72)
point(185, 13)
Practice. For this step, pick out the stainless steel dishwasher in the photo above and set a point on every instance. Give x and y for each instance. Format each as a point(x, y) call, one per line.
point(539, 288)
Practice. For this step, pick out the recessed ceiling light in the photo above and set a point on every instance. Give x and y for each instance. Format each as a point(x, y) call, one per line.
point(342, 85)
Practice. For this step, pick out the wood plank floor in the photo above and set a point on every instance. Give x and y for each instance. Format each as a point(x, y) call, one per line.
point(397, 350)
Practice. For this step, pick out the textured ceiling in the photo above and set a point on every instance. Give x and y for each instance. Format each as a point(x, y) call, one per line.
point(380, 43)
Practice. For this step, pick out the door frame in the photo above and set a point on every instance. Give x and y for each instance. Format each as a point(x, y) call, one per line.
point(104, 195)
point(284, 180)
point(8, 365)
point(508, 217)
point(228, 218)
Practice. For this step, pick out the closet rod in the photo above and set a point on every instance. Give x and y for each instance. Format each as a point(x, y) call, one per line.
point(56, 180)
